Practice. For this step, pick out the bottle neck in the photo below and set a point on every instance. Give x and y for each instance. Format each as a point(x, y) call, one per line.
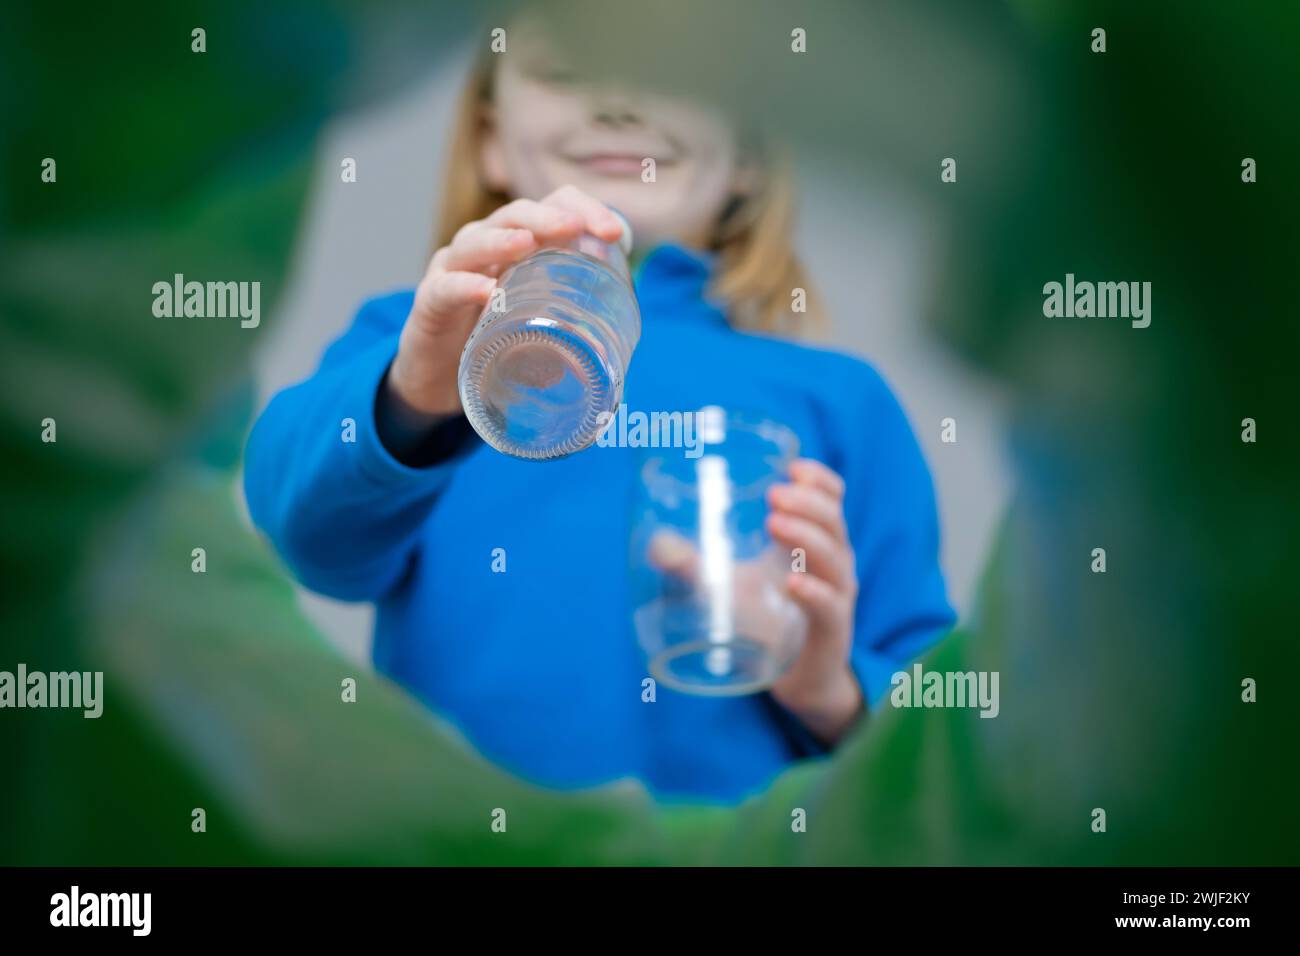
point(607, 252)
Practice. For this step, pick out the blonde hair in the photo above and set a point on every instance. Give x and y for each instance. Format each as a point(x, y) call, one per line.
point(758, 270)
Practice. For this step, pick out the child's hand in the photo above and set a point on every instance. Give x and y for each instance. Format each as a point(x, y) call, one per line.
point(459, 283)
point(808, 513)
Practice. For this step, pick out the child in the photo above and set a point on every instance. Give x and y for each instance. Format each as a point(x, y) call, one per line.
point(538, 665)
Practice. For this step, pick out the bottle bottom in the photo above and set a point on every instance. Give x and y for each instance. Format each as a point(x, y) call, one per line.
point(536, 391)
point(732, 668)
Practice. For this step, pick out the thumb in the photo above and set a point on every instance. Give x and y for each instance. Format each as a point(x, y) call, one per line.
point(674, 554)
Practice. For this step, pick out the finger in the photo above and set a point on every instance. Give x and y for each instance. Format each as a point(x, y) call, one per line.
point(805, 471)
point(545, 222)
point(450, 291)
point(674, 555)
point(478, 249)
point(812, 503)
point(599, 220)
point(827, 558)
point(827, 608)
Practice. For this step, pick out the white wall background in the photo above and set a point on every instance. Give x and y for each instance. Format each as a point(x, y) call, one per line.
point(867, 249)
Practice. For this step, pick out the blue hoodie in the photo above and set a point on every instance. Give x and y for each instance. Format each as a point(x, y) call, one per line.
point(539, 666)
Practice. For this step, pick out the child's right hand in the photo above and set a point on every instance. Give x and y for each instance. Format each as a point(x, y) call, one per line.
point(459, 283)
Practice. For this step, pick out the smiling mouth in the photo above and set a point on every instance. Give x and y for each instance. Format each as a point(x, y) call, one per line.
point(615, 164)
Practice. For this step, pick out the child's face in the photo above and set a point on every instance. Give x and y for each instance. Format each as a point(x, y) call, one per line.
point(550, 126)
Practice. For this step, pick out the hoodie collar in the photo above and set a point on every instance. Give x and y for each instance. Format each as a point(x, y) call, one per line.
point(671, 280)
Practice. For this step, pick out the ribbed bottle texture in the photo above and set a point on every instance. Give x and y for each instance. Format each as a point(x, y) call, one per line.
point(551, 350)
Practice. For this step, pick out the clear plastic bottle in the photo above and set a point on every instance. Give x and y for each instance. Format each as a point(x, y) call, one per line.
point(551, 350)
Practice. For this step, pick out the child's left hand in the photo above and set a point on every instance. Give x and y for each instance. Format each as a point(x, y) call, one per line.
point(808, 513)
